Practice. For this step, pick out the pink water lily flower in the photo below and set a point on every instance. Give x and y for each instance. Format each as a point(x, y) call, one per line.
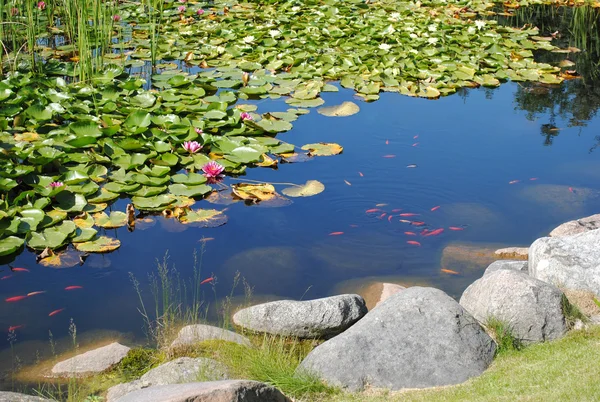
point(200, 12)
point(116, 18)
point(192, 146)
point(56, 184)
point(245, 116)
point(212, 170)
point(181, 9)
point(198, 130)
point(41, 5)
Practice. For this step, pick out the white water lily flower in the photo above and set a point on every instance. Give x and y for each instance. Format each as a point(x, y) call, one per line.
point(479, 24)
point(414, 36)
point(471, 30)
point(389, 30)
point(385, 46)
point(395, 16)
point(274, 32)
point(220, 49)
point(248, 39)
point(432, 28)
point(295, 8)
point(432, 40)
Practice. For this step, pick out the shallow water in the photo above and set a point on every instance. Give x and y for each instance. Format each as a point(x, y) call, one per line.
point(468, 148)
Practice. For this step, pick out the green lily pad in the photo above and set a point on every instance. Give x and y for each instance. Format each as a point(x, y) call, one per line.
point(10, 245)
point(310, 188)
point(102, 244)
point(116, 219)
point(70, 202)
point(208, 218)
point(343, 110)
point(323, 149)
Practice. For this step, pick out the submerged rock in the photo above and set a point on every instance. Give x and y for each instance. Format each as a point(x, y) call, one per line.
point(577, 226)
point(560, 200)
point(571, 262)
point(318, 318)
point(6, 396)
point(532, 309)
point(467, 257)
point(92, 362)
point(178, 371)
point(417, 338)
point(513, 253)
point(215, 391)
point(520, 266)
point(192, 334)
point(379, 292)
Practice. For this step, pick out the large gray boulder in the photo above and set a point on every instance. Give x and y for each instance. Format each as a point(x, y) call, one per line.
point(215, 391)
point(192, 334)
point(521, 266)
point(419, 337)
point(6, 396)
point(571, 262)
point(577, 226)
point(532, 309)
point(319, 318)
point(91, 362)
point(178, 371)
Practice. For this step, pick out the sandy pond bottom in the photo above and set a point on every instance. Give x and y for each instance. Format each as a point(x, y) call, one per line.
point(467, 148)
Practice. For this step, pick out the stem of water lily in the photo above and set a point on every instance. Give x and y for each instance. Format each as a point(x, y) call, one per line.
point(264, 182)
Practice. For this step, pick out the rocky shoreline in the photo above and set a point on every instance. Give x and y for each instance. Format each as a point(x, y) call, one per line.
point(416, 337)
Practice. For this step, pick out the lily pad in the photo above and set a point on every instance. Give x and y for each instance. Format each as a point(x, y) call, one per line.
point(102, 244)
point(116, 219)
point(207, 218)
point(254, 192)
point(345, 109)
point(64, 259)
point(10, 244)
point(310, 188)
point(323, 149)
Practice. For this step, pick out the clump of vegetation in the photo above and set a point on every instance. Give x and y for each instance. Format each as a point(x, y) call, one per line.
point(571, 312)
point(503, 335)
point(139, 361)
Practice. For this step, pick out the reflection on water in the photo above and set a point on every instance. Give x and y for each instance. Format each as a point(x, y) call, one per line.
point(479, 158)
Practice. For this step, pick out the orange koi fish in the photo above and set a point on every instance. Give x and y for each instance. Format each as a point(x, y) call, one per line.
point(336, 233)
point(382, 215)
point(73, 287)
point(390, 218)
point(397, 210)
point(455, 228)
point(388, 156)
point(53, 313)
point(360, 174)
point(15, 298)
point(435, 208)
point(414, 243)
point(370, 211)
point(19, 269)
point(5, 277)
point(435, 232)
point(415, 144)
point(408, 214)
point(410, 233)
point(449, 271)
point(207, 280)
point(417, 223)
point(415, 137)
point(387, 142)
point(347, 182)
point(15, 327)
point(39, 292)
point(513, 181)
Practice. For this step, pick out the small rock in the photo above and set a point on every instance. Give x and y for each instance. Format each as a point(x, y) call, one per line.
point(178, 371)
point(577, 226)
point(92, 362)
point(192, 334)
point(419, 337)
point(532, 309)
point(513, 253)
point(318, 318)
point(6, 396)
point(571, 262)
point(215, 391)
point(520, 266)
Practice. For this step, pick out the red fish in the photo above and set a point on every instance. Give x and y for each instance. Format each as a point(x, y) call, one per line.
point(336, 233)
point(417, 223)
point(5, 277)
point(533, 178)
point(424, 232)
point(360, 174)
point(514, 181)
point(415, 137)
point(435, 208)
point(455, 228)
point(15, 298)
point(207, 280)
point(347, 182)
point(408, 214)
point(15, 327)
point(404, 220)
point(410, 233)
point(205, 239)
point(53, 313)
point(435, 232)
point(389, 156)
point(73, 287)
point(571, 189)
point(387, 142)
point(39, 292)
point(414, 243)
point(382, 215)
point(19, 269)
point(397, 210)
point(449, 271)
point(390, 218)
point(415, 144)
point(370, 211)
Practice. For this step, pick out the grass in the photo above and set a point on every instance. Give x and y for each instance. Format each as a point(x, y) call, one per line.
point(502, 334)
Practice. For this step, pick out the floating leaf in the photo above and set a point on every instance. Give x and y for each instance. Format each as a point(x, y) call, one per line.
point(254, 192)
point(116, 219)
point(10, 244)
point(84, 221)
point(65, 259)
point(310, 188)
point(102, 244)
point(85, 234)
point(345, 109)
point(189, 191)
point(207, 218)
point(323, 149)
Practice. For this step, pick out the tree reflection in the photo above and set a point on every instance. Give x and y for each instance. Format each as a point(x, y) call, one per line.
point(578, 100)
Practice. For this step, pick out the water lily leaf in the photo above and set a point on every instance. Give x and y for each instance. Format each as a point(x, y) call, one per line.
point(144, 100)
point(64, 259)
point(253, 192)
point(84, 221)
point(345, 109)
point(103, 196)
point(92, 208)
point(85, 128)
point(84, 234)
point(51, 218)
point(115, 187)
point(323, 149)
point(153, 203)
point(305, 102)
point(70, 202)
point(139, 118)
point(33, 217)
point(10, 244)
point(148, 191)
point(102, 244)
point(274, 126)
point(244, 155)
point(74, 177)
point(190, 179)
point(310, 188)
point(116, 219)
point(53, 237)
point(207, 218)
point(189, 191)
point(38, 112)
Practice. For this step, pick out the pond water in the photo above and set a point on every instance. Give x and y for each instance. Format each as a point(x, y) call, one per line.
point(505, 165)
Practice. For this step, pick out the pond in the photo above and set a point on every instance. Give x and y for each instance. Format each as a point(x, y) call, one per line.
point(492, 167)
